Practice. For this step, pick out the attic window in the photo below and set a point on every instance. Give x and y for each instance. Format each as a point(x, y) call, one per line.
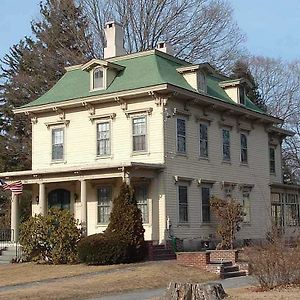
point(201, 82)
point(242, 95)
point(98, 78)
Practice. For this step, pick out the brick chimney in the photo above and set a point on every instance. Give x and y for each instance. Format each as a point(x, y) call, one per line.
point(114, 40)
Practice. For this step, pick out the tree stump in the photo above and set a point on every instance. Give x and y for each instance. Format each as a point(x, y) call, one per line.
point(194, 291)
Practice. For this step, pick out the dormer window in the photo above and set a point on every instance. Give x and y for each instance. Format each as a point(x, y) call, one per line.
point(98, 78)
point(201, 82)
point(242, 95)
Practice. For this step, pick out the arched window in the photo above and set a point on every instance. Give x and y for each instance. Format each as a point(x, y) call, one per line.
point(98, 78)
point(59, 198)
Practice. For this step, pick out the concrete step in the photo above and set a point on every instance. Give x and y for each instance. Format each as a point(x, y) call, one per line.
point(228, 269)
point(224, 263)
point(232, 274)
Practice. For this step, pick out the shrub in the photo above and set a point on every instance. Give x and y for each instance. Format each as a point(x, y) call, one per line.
point(123, 240)
point(273, 263)
point(52, 238)
point(230, 214)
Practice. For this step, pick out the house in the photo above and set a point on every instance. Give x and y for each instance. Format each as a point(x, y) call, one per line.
point(177, 132)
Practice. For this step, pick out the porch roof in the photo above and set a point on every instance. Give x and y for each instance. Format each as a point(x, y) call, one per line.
point(78, 172)
point(284, 186)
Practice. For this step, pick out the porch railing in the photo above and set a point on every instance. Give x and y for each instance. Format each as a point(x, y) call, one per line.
point(7, 241)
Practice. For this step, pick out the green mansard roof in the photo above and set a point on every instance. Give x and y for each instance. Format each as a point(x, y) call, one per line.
point(150, 69)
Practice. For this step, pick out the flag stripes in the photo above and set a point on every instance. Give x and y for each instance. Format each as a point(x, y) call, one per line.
point(15, 187)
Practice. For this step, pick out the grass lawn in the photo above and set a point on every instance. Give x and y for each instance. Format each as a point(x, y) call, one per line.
point(122, 278)
point(291, 293)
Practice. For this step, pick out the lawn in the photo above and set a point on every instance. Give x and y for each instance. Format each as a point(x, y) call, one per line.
point(90, 282)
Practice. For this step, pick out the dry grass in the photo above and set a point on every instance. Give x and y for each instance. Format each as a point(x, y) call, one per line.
point(131, 277)
point(291, 293)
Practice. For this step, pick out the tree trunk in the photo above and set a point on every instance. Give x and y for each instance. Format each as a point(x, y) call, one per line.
point(194, 291)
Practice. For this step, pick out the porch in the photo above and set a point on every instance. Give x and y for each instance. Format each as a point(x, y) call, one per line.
point(88, 192)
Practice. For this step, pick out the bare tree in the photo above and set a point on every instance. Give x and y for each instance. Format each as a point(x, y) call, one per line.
point(279, 86)
point(198, 30)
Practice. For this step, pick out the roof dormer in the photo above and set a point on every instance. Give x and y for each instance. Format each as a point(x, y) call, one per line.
point(102, 73)
point(196, 75)
point(236, 89)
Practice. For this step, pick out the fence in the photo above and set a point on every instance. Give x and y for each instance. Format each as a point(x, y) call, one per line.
point(7, 242)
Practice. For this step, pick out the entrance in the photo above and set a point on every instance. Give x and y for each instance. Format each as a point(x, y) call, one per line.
point(59, 198)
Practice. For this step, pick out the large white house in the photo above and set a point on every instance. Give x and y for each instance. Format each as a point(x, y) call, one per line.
point(177, 132)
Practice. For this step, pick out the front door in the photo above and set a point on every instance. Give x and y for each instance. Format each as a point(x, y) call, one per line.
point(59, 198)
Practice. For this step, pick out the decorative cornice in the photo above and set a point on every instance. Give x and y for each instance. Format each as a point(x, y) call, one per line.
point(102, 116)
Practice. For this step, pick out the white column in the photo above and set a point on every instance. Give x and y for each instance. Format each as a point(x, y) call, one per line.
point(42, 199)
point(14, 217)
point(83, 205)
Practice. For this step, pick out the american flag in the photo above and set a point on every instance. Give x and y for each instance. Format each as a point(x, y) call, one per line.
point(16, 187)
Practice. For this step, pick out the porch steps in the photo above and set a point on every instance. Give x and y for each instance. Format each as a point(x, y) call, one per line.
point(7, 254)
point(161, 252)
point(227, 269)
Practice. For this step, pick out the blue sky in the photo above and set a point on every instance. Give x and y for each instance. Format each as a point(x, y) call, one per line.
point(272, 26)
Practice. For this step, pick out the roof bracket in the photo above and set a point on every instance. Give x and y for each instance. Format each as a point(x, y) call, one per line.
point(90, 108)
point(60, 112)
point(121, 102)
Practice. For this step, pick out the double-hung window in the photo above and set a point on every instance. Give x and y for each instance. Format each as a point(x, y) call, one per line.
point(272, 160)
point(205, 193)
point(203, 140)
point(141, 195)
point(244, 149)
point(226, 144)
point(57, 144)
point(183, 203)
point(181, 136)
point(103, 139)
point(246, 206)
point(98, 78)
point(139, 133)
point(104, 204)
point(292, 209)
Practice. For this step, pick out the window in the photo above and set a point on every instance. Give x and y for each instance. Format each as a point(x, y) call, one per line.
point(226, 144)
point(242, 95)
point(201, 82)
point(103, 139)
point(244, 149)
point(141, 194)
point(246, 206)
point(104, 204)
point(203, 140)
point(98, 78)
point(292, 210)
point(57, 144)
point(181, 136)
point(205, 191)
point(183, 204)
point(139, 130)
point(272, 159)
point(228, 189)
point(277, 210)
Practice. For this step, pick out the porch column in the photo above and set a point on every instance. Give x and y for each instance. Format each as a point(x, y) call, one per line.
point(14, 217)
point(42, 199)
point(83, 205)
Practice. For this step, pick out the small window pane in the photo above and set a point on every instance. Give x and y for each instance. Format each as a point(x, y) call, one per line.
point(183, 204)
point(203, 140)
point(139, 133)
point(181, 136)
point(103, 139)
point(98, 78)
point(244, 149)
point(141, 194)
point(205, 204)
point(104, 204)
point(226, 144)
point(57, 144)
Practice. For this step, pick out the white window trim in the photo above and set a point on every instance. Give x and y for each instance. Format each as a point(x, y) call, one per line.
point(148, 204)
point(140, 152)
point(230, 146)
point(210, 186)
point(247, 141)
point(199, 140)
point(92, 89)
point(272, 147)
point(247, 191)
point(99, 156)
point(63, 160)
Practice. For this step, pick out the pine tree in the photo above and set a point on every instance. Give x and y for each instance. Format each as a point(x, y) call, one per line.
point(241, 70)
point(33, 66)
point(126, 222)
